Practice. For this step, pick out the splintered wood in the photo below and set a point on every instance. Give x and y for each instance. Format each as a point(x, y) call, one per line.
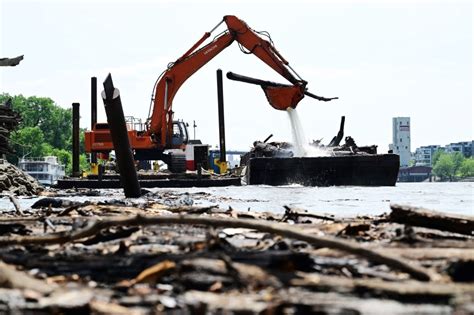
point(153, 257)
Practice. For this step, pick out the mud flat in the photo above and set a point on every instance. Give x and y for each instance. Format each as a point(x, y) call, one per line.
point(160, 254)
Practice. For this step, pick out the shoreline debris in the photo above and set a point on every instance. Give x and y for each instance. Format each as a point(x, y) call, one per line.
point(17, 182)
point(140, 258)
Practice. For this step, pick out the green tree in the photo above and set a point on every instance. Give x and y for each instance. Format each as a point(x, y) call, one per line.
point(28, 141)
point(64, 156)
point(436, 156)
point(458, 158)
point(42, 112)
point(83, 163)
point(445, 166)
point(46, 129)
point(467, 168)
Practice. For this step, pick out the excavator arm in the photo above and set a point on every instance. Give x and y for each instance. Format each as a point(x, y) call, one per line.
point(160, 122)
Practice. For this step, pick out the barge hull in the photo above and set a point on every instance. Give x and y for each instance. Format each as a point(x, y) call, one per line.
point(352, 170)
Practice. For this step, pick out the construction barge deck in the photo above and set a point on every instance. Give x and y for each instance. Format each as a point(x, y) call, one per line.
point(150, 181)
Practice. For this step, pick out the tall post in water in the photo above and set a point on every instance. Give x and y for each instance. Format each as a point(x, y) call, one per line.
point(220, 103)
point(75, 140)
point(93, 115)
point(119, 134)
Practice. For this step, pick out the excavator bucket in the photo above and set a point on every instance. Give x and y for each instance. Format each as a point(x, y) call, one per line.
point(283, 97)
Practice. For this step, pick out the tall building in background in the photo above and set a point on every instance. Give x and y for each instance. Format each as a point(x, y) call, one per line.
point(401, 139)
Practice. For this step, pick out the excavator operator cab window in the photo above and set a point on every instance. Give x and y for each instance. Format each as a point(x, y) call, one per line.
point(180, 133)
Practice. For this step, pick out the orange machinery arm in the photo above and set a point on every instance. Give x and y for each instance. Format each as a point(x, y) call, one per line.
point(160, 122)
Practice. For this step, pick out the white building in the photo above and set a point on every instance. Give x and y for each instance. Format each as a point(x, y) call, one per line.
point(465, 147)
point(424, 155)
point(45, 170)
point(401, 139)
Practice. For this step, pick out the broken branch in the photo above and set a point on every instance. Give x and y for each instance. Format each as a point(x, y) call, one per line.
point(15, 203)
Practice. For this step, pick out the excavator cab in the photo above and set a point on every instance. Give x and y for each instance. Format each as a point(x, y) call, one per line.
point(180, 136)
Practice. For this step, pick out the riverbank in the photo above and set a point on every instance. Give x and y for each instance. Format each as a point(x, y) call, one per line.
point(160, 253)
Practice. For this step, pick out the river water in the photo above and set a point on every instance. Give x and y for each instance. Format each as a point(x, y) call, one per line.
point(340, 201)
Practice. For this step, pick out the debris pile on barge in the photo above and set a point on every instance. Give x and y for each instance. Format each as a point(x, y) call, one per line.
point(274, 163)
point(161, 254)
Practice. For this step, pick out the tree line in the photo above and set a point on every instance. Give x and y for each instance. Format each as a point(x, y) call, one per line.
point(45, 130)
point(449, 166)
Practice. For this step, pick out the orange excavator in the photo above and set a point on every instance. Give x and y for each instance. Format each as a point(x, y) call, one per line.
point(161, 132)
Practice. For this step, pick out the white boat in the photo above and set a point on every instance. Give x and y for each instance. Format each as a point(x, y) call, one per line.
point(45, 170)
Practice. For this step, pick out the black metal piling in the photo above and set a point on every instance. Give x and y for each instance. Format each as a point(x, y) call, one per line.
point(93, 112)
point(220, 103)
point(119, 134)
point(75, 140)
point(337, 139)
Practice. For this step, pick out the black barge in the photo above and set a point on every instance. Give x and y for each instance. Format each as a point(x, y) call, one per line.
point(343, 170)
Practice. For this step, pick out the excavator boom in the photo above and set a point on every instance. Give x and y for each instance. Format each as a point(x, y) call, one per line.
point(158, 134)
point(160, 121)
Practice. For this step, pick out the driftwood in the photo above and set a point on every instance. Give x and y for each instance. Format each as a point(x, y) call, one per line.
point(432, 219)
point(12, 278)
point(404, 290)
point(130, 263)
point(15, 203)
point(95, 227)
point(298, 301)
point(295, 213)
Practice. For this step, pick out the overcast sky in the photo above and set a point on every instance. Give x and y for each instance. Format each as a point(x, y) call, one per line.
point(381, 58)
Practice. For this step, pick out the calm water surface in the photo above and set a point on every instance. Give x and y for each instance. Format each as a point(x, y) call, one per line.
point(340, 201)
